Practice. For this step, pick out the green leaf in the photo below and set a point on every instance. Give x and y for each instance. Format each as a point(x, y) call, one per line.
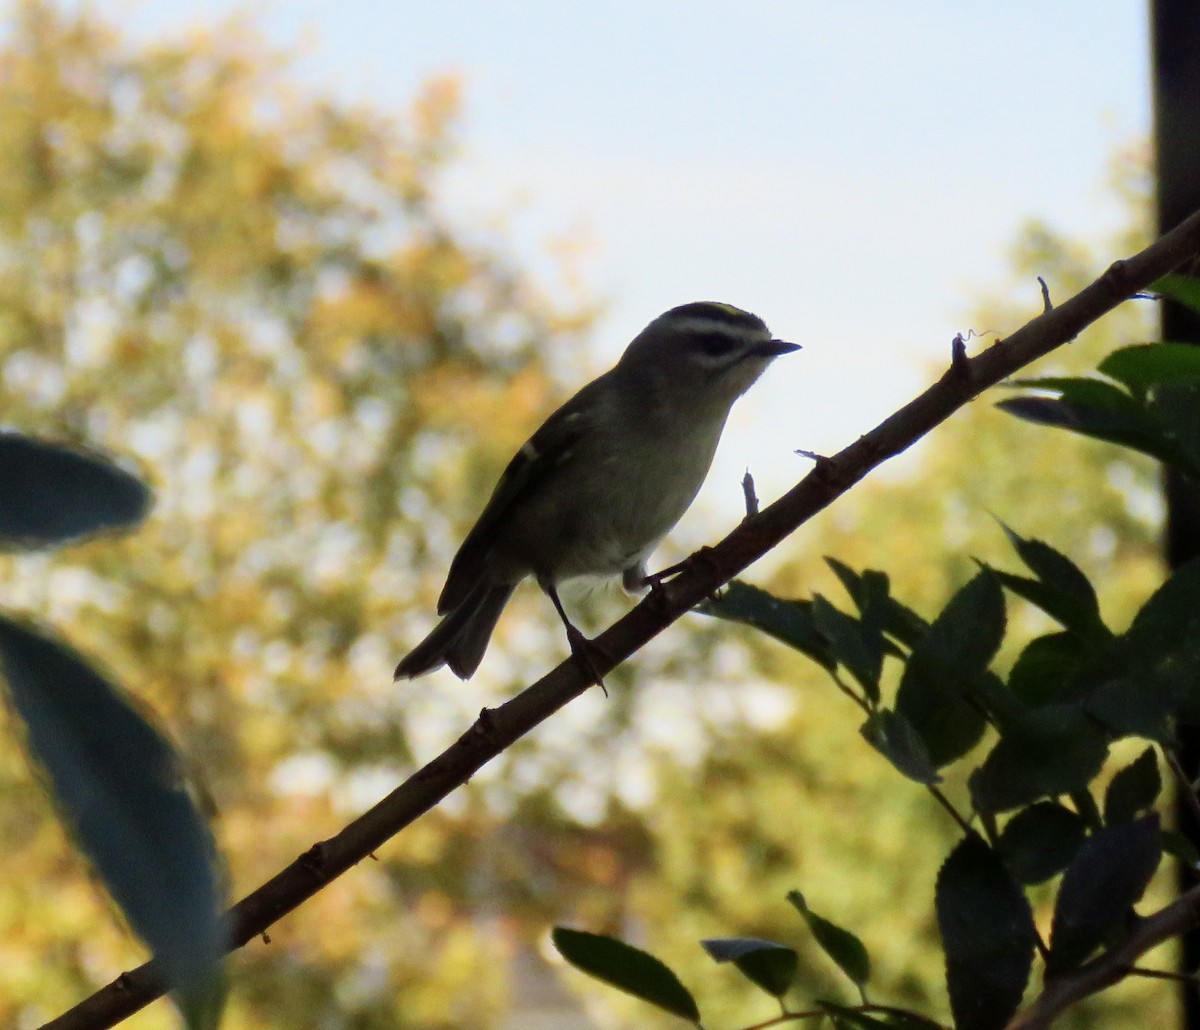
point(1145, 366)
point(1099, 889)
point(840, 945)
point(935, 693)
point(1183, 289)
point(50, 493)
point(987, 933)
point(1133, 789)
point(892, 736)
point(118, 782)
point(1161, 649)
point(766, 964)
point(1130, 707)
point(1049, 751)
point(856, 645)
point(1087, 392)
point(1066, 594)
point(1042, 673)
point(627, 968)
point(790, 622)
point(1040, 841)
point(1101, 417)
point(1176, 406)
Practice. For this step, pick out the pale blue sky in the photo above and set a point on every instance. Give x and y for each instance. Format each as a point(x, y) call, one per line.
point(852, 171)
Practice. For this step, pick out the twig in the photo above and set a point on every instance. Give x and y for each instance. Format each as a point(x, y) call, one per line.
point(1046, 305)
point(945, 803)
point(748, 542)
point(1162, 974)
point(750, 496)
point(1112, 966)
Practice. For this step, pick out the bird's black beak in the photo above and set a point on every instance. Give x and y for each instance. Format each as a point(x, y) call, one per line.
point(774, 348)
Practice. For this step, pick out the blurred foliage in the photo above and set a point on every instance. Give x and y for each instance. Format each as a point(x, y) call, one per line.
point(259, 295)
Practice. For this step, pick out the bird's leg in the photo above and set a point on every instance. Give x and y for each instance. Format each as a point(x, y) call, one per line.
point(585, 651)
point(657, 581)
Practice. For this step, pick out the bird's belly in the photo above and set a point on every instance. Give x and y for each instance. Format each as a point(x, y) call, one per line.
point(605, 515)
point(604, 536)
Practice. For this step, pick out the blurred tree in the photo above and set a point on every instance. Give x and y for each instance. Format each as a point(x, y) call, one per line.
point(258, 296)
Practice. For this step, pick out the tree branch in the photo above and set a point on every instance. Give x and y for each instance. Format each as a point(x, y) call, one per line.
point(496, 729)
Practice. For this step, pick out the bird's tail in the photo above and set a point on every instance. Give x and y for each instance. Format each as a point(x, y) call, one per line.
point(462, 636)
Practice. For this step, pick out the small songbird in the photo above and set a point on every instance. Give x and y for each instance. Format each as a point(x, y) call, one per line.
point(605, 478)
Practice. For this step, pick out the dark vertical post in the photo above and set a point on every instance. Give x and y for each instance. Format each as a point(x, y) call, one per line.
point(1175, 38)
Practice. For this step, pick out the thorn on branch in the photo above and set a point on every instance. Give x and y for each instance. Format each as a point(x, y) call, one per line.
point(265, 937)
point(1114, 276)
point(960, 364)
point(1046, 304)
point(314, 858)
point(485, 724)
point(749, 494)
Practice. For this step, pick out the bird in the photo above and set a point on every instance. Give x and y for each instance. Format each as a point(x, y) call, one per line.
point(601, 483)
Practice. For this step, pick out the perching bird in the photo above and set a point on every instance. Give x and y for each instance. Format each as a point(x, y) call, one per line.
point(604, 479)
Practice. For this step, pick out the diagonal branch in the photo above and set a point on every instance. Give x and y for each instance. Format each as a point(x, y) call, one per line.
point(497, 728)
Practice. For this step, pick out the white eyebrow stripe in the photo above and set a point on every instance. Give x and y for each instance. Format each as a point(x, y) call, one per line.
point(747, 334)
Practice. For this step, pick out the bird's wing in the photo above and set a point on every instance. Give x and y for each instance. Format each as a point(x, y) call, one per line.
point(530, 467)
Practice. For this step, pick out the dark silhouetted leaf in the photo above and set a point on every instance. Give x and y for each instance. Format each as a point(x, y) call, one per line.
point(1102, 412)
point(840, 945)
point(872, 588)
point(50, 493)
point(1095, 394)
point(1065, 593)
point(1100, 888)
point(1177, 409)
point(1042, 673)
point(987, 933)
point(788, 621)
point(1133, 789)
point(766, 964)
point(1132, 707)
point(1050, 751)
point(627, 968)
point(892, 736)
point(1161, 649)
point(935, 693)
point(856, 645)
point(118, 782)
point(1040, 841)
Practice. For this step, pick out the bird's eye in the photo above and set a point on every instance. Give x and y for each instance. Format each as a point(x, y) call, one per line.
point(712, 344)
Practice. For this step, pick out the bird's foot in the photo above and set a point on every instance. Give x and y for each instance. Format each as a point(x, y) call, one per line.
point(588, 653)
